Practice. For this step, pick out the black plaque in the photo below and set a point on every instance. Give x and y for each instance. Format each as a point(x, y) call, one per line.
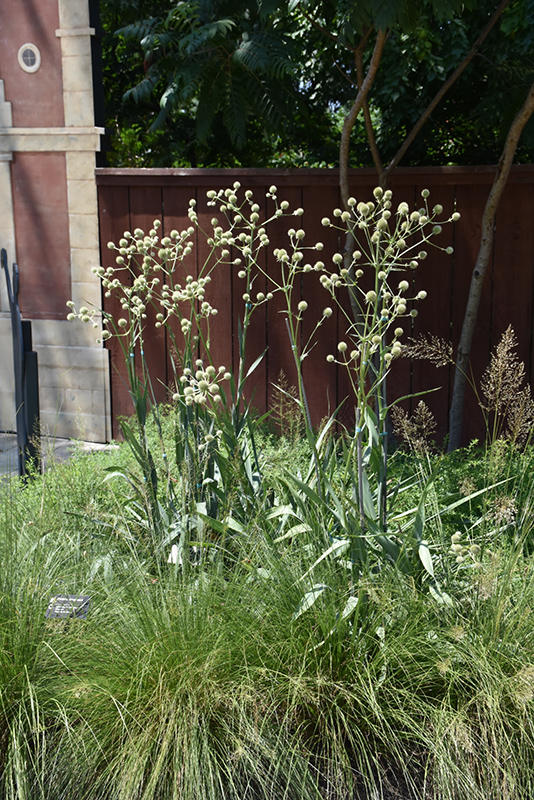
point(68, 606)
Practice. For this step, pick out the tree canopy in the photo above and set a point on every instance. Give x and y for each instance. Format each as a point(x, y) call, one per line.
point(226, 83)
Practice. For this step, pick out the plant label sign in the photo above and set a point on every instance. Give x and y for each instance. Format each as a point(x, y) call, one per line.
point(68, 606)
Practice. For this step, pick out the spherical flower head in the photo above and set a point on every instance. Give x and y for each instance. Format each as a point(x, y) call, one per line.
point(421, 295)
point(327, 312)
point(342, 347)
point(422, 255)
point(325, 222)
point(378, 192)
point(404, 286)
point(351, 202)
point(425, 193)
point(414, 312)
point(272, 189)
point(403, 209)
point(330, 358)
point(337, 258)
point(449, 250)
point(455, 217)
point(399, 331)
point(302, 306)
point(370, 297)
point(284, 205)
point(456, 537)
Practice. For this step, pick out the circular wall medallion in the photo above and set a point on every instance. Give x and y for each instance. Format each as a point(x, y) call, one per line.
point(29, 57)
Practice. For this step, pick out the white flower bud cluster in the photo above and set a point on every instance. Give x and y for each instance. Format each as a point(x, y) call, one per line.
point(462, 551)
point(201, 385)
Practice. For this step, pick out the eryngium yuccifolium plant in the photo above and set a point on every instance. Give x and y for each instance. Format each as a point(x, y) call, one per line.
point(390, 242)
point(151, 283)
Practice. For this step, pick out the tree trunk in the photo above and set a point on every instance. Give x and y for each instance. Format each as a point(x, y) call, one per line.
point(477, 279)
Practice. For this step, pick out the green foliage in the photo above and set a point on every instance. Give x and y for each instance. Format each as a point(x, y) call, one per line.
point(263, 84)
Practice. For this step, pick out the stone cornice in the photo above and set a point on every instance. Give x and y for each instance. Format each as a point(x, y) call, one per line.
point(75, 32)
point(50, 139)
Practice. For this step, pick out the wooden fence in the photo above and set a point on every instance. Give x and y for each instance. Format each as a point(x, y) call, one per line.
point(135, 198)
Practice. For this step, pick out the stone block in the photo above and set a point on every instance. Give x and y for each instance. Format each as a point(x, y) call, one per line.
point(87, 294)
point(83, 259)
point(77, 75)
point(62, 333)
point(83, 230)
point(81, 165)
point(79, 112)
point(73, 13)
point(75, 46)
point(82, 196)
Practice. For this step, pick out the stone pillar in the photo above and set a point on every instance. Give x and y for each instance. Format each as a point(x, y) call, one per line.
point(47, 163)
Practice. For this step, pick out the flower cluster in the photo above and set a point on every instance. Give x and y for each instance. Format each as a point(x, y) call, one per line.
point(144, 277)
point(389, 241)
point(462, 551)
point(201, 385)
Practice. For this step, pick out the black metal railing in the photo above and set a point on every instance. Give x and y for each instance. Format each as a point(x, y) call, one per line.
point(26, 378)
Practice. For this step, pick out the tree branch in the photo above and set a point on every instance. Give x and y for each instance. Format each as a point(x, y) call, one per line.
point(367, 117)
point(477, 278)
point(444, 89)
point(351, 117)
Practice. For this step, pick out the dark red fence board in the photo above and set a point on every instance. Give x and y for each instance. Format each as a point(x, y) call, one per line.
point(134, 198)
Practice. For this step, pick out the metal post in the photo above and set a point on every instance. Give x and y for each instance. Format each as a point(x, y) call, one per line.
point(26, 377)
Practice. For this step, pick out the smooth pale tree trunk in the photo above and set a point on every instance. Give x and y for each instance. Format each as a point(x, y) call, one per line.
point(477, 278)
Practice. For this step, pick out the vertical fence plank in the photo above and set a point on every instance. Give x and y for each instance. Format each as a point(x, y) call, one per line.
point(256, 336)
point(279, 354)
point(513, 275)
point(175, 204)
point(319, 375)
point(434, 313)
point(470, 202)
point(114, 218)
